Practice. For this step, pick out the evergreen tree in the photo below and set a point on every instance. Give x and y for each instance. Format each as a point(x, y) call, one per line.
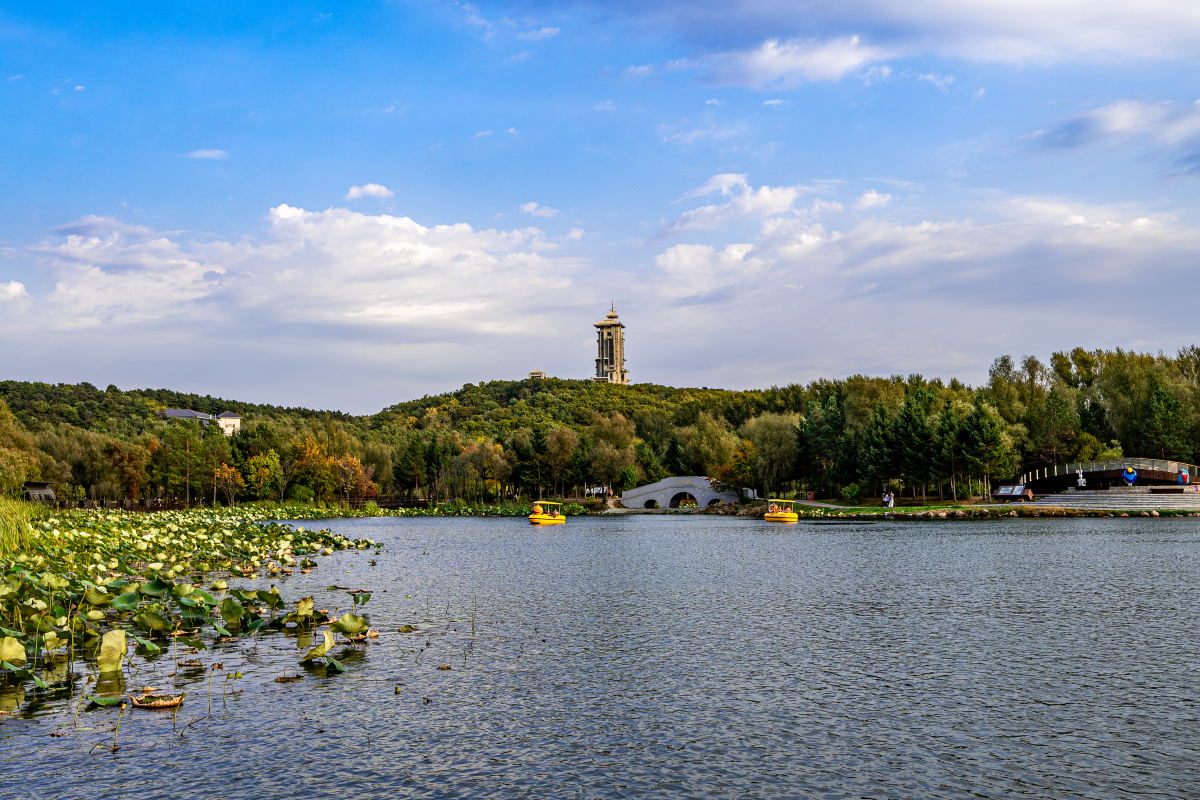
point(409, 469)
point(876, 461)
point(1162, 428)
point(947, 448)
point(913, 439)
point(1054, 429)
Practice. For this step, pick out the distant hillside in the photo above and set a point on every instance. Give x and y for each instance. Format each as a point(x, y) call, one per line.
point(497, 408)
point(116, 412)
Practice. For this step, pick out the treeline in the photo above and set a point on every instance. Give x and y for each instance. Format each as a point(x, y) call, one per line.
point(850, 438)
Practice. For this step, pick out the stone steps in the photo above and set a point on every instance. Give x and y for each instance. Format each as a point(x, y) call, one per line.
point(1122, 501)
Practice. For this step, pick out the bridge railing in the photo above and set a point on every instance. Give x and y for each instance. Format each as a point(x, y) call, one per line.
point(1152, 464)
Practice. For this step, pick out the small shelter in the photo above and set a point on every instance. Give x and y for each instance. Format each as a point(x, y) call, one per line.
point(40, 492)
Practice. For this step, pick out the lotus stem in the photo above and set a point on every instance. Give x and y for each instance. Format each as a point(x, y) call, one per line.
point(82, 693)
point(117, 729)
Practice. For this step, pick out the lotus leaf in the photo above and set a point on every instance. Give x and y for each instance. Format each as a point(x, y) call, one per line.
point(126, 602)
point(107, 701)
point(155, 587)
point(25, 675)
point(219, 585)
point(349, 624)
point(52, 641)
point(132, 588)
point(221, 630)
point(112, 651)
point(95, 596)
point(187, 601)
point(12, 651)
point(56, 583)
point(10, 632)
point(95, 616)
point(244, 596)
point(304, 607)
point(271, 598)
point(182, 589)
point(254, 625)
point(150, 646)
point(193, 642)
point(151, 620)
point(39, 623)
point(317, 651)
point(204, 597)
point(117, 583)
point(231, 610)
point(332, 663)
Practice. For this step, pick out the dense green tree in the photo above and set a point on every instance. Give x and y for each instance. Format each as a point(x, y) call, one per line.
point(877, 462)
point(774, 437)
point(1054, 429)
point(1162, 429)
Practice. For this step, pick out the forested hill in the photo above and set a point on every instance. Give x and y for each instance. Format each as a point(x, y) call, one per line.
point(497, 408)
point(850, 436)
point(124, 413)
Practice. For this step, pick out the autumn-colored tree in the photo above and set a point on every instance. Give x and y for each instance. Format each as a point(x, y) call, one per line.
point(228, 480)
point(262, 473)
point(353, 479)
point(315, 463)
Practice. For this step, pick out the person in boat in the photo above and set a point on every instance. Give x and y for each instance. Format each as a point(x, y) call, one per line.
point(554, 512)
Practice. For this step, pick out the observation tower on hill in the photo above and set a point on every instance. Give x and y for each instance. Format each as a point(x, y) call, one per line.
point(610, 352)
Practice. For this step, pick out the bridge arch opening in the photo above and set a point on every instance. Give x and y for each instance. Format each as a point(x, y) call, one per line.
point(683, 500)
point(651, 503)
point(714, 501)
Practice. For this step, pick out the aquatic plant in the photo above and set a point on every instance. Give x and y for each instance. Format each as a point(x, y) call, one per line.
point(103, 580)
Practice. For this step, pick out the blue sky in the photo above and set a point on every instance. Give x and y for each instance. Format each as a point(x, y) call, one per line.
point(347, 206)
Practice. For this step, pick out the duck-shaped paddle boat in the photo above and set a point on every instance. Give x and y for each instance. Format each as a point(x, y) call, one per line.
point(782, 511)
point(547, 516)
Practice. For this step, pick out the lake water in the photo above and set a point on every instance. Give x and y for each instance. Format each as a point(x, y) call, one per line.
point(656, 656)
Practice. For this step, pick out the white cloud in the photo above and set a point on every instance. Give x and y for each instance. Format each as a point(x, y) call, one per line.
point(213, 155)
point(538, 35)
point(12, 290)
point(872, 199)
point(700, 269)
point(940, 81)
point(481, 134)
point(1173, 127)
point(979, 94)
point(575, 234)
point(643, 71)
point(369, 190)
point(513, 131)
point(861, 300)
point(784, 64)
point(15, 77)
point(607, 105)
point(772, 102)
point(538, 211)
point(744, 200)
point(1006, 31)
point(332, 267)
point(80, 88)
point(713, 102)
point(524, 54)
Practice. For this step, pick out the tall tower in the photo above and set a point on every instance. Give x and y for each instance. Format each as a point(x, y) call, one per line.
point(610, 350)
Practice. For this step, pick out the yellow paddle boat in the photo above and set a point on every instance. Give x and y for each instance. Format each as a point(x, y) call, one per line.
point(547, 516)
point(782, 511)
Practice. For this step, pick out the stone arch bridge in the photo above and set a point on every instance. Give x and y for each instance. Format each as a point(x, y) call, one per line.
point(674, 491)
